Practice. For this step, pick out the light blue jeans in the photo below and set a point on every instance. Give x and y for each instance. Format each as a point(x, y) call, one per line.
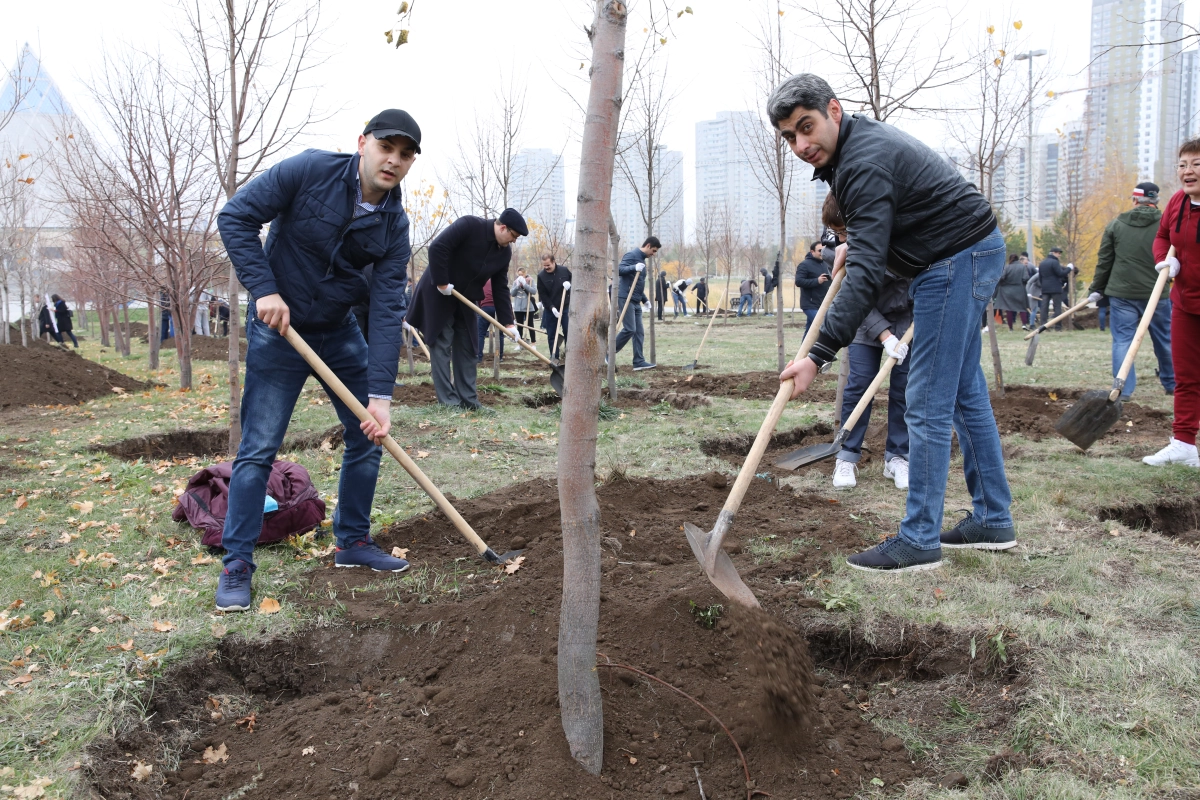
point(946, 386)
point(1124, 316)
point(747, 302)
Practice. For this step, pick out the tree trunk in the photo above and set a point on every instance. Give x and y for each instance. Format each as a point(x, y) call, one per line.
point(125, 314)
point(235, 351)
point(118, 340)
point(725, 299)
point(21, 290)
point(615, 238)
point(653, 295)
point(579, 616)
point(183, 341)
point(102, 319)
point(152, 334)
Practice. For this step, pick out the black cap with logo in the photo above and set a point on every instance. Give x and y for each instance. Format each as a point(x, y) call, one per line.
point(394, 122)
point(1146, 192)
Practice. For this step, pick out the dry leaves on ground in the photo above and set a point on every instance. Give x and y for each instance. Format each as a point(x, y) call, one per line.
point(141, 771)
point(399, 552)
point(157, 600)
point(514, 564)
point(269, 605)
point(162, 626)
point(22, 502)
point(84, 507)
point(211, 756)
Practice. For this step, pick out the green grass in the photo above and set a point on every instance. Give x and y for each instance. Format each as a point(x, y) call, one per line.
point(1105, 626)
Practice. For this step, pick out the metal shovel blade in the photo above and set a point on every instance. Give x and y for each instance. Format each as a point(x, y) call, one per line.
point(556, 380)
point(1089, 419)
point(692, 366)
point(490, 556)
point(1032, 350)
point(724, 575)
point(809, 455)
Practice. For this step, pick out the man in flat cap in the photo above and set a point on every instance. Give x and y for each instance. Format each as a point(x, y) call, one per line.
point(333, 217)
point(465, 256)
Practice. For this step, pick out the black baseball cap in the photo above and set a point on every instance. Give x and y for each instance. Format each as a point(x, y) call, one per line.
point(394, 122)
point(1146, 192)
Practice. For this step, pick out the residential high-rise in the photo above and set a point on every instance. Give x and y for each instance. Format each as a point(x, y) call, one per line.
point(631, 199)
point(538, 190)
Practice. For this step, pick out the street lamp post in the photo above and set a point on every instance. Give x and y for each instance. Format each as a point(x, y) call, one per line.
point(1030, 56)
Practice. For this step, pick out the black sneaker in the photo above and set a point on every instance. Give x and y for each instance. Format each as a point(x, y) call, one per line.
point(645, 366)
point(969, 534)
point(894, 555)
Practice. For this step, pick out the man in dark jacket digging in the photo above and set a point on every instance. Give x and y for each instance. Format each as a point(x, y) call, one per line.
point(331, 215)
point(1054, 277)
point(908, 211)
point(1125, 273)
point(465, 256)
point(631, 272)
point(554, 289)
point(812, 278)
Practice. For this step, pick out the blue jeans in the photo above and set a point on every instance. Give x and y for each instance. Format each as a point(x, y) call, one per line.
point(680, 305)
point(275, 374)
point(809, 315)
point(1124, 316)
point(946, 386)
point(864, 366)
point(1102, 315)
point(744, 305)
point(485, 327)
point(631, 328)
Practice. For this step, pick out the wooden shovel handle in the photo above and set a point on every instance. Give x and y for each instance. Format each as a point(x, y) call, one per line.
point(421, 342)
point(1056, 320)
point(742, 484)
point(557, 328)
point(1143, 326)
point(880, 376)
point(499, 327)
point(410, 466)
point(709, 328)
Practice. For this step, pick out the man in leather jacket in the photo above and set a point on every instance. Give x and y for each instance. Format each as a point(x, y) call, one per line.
point(909, 212)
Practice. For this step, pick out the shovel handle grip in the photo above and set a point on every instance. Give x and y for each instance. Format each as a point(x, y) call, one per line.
point(499, 327)
point(1056, 320)
point(1143, 326)
point(865, 401)
point(410, 466)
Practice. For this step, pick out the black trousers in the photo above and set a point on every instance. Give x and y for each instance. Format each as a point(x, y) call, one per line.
point(526, 318)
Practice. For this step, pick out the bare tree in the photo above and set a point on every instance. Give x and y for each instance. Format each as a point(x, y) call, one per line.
point(728, 242)
point(19, 82)
point(890, 56)
point(250, 58)
point(578, 684)
point(706, 229)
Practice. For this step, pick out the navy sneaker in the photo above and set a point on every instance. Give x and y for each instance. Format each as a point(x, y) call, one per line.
point(365, 553)
point(233, 587)
point(970, 534)
point(893, 555)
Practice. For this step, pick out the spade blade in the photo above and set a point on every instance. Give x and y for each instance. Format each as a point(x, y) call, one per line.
point(1032, 351)
point(1089, 419)
point(556, 380)
point(724, 575)
point(809, 455)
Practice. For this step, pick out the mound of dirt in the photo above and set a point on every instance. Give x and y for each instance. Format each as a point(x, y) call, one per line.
point(1031, 411)
point(444, 684)
point(44, 375)
point(745, 385)
point(1176, 516)
point(207, 348)
point(209, 442)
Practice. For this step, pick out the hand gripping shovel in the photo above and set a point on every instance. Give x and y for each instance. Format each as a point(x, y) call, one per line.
point(819, 452)
point(556, 372)
point(707, 546)
point(1032, 337)
point(410, 466)
point(1095, 412)
point(712, 319)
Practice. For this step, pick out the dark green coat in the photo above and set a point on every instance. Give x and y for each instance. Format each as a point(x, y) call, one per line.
point(1125, 264)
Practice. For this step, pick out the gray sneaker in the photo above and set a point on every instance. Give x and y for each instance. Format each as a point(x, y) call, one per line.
point(969, 534)
point(894, 555)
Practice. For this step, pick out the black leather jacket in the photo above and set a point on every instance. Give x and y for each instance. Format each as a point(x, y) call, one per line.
point(906, 208)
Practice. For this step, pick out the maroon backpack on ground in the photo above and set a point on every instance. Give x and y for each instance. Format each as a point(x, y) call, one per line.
point(206, 500)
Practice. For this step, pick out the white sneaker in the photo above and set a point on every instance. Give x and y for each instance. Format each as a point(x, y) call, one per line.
point(843, 475)
point(1176, 452)
point(897, 470)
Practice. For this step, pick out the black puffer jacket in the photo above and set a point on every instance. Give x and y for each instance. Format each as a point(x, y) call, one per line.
point(808, 278)
point(905, 206)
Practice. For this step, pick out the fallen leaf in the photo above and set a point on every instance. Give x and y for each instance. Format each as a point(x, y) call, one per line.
point(157, 600)
point(211, 756)
point(248, 722)
point(20, 680)
point(85, 507)
point(162, 626)
point(141, 771)
point(399, 552)
point(34, 789)
point(126, 645)
point(202, 559)
point(422, 454)
point(48, 616)
point(218, 630)
point(269, 605)
point(939, 595)
point(514, 565)
point(308, 751)
point(1053, 395)
point(22, 502)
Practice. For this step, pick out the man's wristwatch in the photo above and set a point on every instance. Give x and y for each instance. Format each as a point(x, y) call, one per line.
point(823, 368)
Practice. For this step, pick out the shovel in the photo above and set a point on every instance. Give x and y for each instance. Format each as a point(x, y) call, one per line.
point(417, 335)
point(707, 546)
point(558, 329)
point(819, 452)
point(1032, 336)
point(1095, 412)
point(624, 308)
point(410, 466)
point(556, 372)
point(696, 363)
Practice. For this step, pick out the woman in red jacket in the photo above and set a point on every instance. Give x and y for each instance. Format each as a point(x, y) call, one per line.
point(1180, 226)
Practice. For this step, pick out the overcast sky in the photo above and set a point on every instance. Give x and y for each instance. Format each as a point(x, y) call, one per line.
point(459, 51)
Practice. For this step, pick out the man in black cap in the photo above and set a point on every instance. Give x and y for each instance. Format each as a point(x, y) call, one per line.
point(465, 256)
point(1054, 277)
point(333, 216)
point(1125, 274)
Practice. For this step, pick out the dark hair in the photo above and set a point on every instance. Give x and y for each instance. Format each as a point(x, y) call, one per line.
point(1025, 253)
point(831, 213)
point(799, 91)
point(815, 245)
point(1013, 258)
point(652, 241)
point(1190, 146)
point(547, 255)
point(55, 298)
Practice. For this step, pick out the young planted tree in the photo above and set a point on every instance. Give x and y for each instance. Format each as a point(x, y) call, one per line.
point(579, 616)
point(250, 59)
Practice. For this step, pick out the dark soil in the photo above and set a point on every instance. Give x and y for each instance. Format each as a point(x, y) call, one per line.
point(1176, 516)
point(745, 385)
point(207, 348)
point(1031, 412)
point(209, 442)
point(446, 686)
point(44, 375)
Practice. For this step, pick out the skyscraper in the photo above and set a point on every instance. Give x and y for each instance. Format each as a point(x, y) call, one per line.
point(631, 198)
point(538, 188)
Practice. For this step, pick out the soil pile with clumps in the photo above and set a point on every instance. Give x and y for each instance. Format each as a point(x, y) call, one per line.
point(209, 442)
point(44, 375)
point(1032, 411)
point(207, 348)
point(1175, 515)
point(780, 661)
point(443, 682)
point(745, 385)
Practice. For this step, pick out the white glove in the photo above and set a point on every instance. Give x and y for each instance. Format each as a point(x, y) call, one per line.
point(1171, 263)
point(513, 333)
point(639, 267)
point(1095, 297)
point(566, 285)
point(447, 290)
point(895, 348)
point(556, 314)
